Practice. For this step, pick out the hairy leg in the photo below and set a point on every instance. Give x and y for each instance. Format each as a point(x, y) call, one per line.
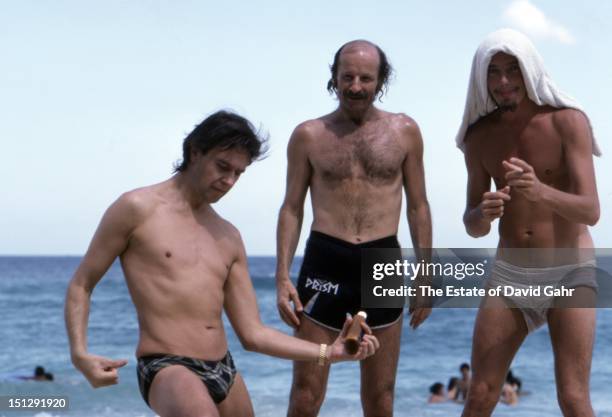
point(378, 373)
point(309, 379)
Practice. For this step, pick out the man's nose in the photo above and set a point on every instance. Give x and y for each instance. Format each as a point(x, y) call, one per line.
point(229, 180)
point(355, 86)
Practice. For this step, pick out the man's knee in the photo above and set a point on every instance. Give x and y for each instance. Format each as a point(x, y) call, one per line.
point(574, 401)
point(378, 400)
point(482, 396)
point(307, 394)
point(381, 406)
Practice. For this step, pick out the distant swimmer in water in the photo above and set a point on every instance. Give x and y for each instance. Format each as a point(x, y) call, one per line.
point(39, 375)
point(436, 393)
point(463, 385)
point(515, 382)
point(511, 390)
point(452, 389)
point(509, 395)
point(184, 266)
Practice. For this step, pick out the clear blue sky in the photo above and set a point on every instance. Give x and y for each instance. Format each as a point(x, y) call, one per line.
point(96, 98)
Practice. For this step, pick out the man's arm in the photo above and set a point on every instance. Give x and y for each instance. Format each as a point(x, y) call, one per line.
point(290, 223)
point(110, 240)
point(241, 308)
point(581, 203)
point(419, 216)
point(482, 206)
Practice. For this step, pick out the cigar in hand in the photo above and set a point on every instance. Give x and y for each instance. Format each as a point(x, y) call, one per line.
point(353, 335)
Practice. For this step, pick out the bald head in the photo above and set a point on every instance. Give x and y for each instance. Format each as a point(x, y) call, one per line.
point(366, 49)
point(358, 46)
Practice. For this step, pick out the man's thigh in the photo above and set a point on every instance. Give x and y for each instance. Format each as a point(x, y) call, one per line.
point(378, 371)
point(572, 333)
point(176, 391)
point(498, 333)
point(582, 297)
point(309, 373)
point(237, 403)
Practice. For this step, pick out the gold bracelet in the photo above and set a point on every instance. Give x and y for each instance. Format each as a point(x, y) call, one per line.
point(322, 354)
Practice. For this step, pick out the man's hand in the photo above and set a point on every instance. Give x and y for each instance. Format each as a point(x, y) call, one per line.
point(492, 205)
point(522, 178)
point(285, 295)
point(420, 309)
point(368, 346)
point(99, 371)
point(418, 315)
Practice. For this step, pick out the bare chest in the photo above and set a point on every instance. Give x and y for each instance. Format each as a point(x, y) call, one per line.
point(370, 156)
point(539, 146)
point(176, 244)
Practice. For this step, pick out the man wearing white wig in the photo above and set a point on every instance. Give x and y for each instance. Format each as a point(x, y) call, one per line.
point(536, 144)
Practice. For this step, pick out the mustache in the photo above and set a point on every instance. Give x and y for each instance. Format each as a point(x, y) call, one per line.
point(499, 90)
point(362, 95)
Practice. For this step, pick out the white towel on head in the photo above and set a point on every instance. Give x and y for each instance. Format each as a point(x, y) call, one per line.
point(540, 88)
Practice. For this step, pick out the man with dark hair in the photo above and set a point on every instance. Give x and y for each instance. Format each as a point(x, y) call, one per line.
point(184, 265)
point(355, 162)
point(464, 382)
point(39, 375)
point(436, 392)
point(222, 130)
point(537, 146)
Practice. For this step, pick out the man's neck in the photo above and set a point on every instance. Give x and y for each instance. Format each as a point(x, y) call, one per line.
point(185, 185)
point(358, 119)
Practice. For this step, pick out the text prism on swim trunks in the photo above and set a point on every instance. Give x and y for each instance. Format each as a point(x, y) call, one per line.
point(321, 285)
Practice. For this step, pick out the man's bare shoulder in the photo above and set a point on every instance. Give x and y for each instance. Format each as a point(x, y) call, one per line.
point(139, 203)
point(311, 128)
point(303, 135)
point(406, 128)
point(231, 234)
point(230, 230)
point(143, 198)
point(402, 122)
point(476, 133)
point(571, 124)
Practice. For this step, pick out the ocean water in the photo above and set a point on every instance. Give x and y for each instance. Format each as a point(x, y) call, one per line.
point(32, 333)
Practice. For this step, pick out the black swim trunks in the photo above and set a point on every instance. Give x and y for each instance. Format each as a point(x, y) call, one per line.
point(217, 376)
point(329, 284)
